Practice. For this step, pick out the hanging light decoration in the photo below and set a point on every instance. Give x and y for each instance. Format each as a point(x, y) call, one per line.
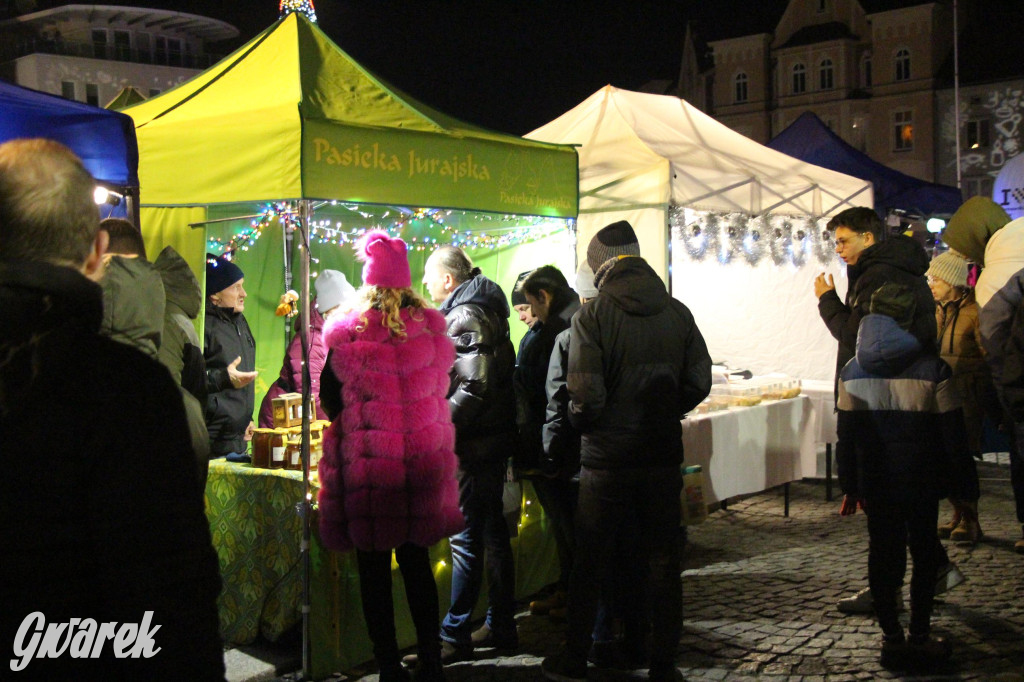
point(305, 7)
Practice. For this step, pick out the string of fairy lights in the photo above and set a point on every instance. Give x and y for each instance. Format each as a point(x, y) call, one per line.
point(305, 7)
point(435, 228)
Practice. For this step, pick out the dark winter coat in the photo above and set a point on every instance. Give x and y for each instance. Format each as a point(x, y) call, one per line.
point(637, 364)
point(180, 349)
point(900, 427)
point(103, 516)
point(897, 260)
point(133, 314)
point(531, 376)
point(480, 395)
point(561, 439)
point(388, 471)
point(226, 336)
point(290, 380)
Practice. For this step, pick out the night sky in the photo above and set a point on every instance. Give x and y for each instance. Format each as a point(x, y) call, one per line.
point(510, 66)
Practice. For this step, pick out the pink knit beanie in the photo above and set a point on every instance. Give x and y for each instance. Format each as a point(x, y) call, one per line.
point(387, 264)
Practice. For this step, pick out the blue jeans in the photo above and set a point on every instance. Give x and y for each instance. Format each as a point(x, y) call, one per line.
point(608, 500)
point(483, 546)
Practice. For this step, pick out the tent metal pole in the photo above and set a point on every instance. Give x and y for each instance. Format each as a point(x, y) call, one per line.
point(306, 213)
point(956, 92)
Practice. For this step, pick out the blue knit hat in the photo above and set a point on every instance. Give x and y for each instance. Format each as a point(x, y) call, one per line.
point(220, 274)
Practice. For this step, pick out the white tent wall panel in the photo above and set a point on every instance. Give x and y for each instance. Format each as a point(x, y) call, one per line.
point(762, 317)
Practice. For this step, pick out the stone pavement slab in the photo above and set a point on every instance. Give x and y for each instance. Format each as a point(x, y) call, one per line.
point(760, 592)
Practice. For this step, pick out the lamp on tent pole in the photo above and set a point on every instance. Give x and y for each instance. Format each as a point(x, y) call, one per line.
point(306, 215)
point(287, 246)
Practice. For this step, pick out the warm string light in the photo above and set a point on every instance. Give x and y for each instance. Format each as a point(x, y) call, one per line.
point(305, 7)
point(282, 211)
point(334, 231)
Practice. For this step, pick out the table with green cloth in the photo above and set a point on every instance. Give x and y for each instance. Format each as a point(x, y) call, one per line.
point(257, 534)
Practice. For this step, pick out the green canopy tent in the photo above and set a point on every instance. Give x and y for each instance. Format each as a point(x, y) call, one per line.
point(289, 117)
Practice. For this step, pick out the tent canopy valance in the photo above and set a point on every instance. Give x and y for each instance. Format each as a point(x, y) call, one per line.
point(809, 139)
point(104, 140)
point(290, 116)
point(641, 153)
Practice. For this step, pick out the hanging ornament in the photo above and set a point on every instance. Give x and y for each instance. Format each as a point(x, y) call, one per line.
point(305, 7)
point(824, 244)
point(753, 244)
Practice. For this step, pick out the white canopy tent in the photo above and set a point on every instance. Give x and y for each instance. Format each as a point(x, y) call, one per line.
point(643, 157)
point(641, 153)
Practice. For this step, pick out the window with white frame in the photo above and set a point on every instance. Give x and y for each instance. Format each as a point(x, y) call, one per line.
point(799, 79)
point(92, 94)
point(826, 75)
point(903, 65)
point(67, 89)
point(740, 89)
point(903, 131)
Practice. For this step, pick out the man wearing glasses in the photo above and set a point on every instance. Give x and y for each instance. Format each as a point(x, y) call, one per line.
point(872, 259)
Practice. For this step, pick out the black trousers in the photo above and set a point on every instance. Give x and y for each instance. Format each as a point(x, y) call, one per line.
point(379, 608)
point(893, 525)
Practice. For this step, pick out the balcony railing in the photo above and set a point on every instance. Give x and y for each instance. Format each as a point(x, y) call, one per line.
point(14, 49)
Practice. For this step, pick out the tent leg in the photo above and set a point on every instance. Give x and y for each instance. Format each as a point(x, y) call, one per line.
point(303, 231)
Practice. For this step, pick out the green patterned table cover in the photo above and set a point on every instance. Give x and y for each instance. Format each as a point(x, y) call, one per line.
point(256, 532)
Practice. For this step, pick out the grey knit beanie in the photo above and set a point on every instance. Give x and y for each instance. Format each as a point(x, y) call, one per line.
point(612, 241)
point(951, 268)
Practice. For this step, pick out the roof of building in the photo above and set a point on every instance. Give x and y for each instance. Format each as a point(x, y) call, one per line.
point(141, 17)
point(819, 33)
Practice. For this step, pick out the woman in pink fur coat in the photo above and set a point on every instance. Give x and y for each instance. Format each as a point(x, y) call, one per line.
point(388, 471)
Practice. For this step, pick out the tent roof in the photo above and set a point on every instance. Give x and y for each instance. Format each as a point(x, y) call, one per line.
point(809, 139)
point(128, 96)
point(625, 134)
point(289, 115)
point(104, 140)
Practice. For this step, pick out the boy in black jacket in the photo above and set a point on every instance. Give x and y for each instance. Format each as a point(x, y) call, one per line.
point(900, 428)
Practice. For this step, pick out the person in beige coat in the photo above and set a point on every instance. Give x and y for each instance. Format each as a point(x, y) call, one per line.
point(959, 336)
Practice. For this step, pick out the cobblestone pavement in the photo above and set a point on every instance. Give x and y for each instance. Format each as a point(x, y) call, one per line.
point(760, 592)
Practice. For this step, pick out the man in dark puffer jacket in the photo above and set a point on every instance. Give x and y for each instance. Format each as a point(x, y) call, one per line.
point(873, 260)
point(901, 432)
point(637, 364)
point(483, 410)
point(118, 529)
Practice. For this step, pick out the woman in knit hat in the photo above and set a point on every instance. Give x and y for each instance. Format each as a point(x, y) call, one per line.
point(956, 317)
point(230, 353)
point(388, 470)
point(333, 292)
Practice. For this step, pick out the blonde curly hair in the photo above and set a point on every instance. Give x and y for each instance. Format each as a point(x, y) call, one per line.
point(390, 302)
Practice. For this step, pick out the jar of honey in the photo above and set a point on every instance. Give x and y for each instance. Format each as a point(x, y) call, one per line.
point(277, 448)
point(261, 439)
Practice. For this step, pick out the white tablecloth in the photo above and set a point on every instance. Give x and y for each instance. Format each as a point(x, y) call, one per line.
point(746, 450)
point(823, 418)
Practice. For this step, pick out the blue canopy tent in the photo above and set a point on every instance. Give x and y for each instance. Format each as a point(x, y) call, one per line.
point(104, 140)
point(810, 140)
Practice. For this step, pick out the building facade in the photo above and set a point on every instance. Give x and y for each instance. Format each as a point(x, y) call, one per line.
point(880, 73)
point(90, 53)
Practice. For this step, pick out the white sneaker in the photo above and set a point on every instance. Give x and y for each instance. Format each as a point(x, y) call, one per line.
point(863, 603)
point(949, 576)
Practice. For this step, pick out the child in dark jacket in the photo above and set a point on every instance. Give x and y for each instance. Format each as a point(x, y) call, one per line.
point(900, 429)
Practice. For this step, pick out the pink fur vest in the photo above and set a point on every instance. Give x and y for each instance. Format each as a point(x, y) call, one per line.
point(387, 475)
